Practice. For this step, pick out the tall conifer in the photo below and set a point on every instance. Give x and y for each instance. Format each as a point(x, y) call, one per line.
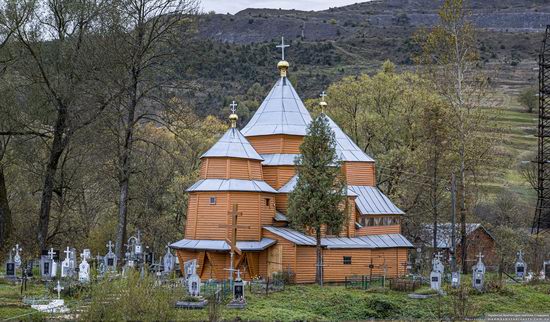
point(316, 202)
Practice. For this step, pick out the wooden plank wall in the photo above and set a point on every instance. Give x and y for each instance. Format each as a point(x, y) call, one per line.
point(278, 176)
point(378, 230)
point(231, 168)
point(203, 219)
point(288, 249)
point(271, 144)
point(360, 173)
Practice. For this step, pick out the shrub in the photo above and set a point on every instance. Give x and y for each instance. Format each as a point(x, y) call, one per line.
point(131, 298)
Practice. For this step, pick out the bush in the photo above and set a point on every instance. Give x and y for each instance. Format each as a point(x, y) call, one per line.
point(383, 307)
point(131, 298)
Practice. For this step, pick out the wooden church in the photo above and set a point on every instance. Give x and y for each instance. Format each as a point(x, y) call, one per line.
point(245, 182)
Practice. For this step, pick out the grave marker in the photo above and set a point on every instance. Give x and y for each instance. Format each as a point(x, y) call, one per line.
point(10, 267)
point(437, 272)
point(521, 266)
point(84, 269)
point(66, 264)
point(168, 261)
point(53, 263)
point(110, 259)
point(478, 277)
point(194, 282)
point(17, 257)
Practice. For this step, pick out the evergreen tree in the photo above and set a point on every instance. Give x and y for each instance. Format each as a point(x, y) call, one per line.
point(316, 202)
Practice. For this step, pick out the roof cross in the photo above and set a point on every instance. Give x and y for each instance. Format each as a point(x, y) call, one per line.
point(323, 95)
point(282, 46)
point(233, 107)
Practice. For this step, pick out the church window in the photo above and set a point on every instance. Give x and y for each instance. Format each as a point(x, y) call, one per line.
point(370, 222)
point(267, 202)
point(363, 221)
point(347, 260)
point(212, 200)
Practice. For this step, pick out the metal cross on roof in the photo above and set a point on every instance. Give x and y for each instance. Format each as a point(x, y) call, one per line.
point(233, 107)
point(283, 46)
point(323, 95)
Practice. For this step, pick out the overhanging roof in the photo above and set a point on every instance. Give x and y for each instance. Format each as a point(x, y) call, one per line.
point(371, 241)
point(346, 149)
point(221, 245)
point(371, 201)
point(282, 112)
point(231, 185)
point(291, 184)
point(233, 145)
point(278, 159)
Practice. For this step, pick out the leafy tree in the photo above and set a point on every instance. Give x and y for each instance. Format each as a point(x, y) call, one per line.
point(315, 203)
point(528, 99)
point(450, 58)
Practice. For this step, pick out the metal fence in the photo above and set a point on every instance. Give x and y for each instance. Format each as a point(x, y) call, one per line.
point(266, 286)
point(364, 282)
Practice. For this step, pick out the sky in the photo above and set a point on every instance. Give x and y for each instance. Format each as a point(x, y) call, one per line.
point(233, 6)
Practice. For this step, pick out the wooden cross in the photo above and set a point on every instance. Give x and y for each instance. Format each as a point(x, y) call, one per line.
point(282, 46)
point(235, 213)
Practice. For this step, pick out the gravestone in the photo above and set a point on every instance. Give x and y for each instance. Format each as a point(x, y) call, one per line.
point(189, 267)
point(546, 269)
point(66, 269)
point(17, 257)
point(110, 259)
point(521, 266)
point(45, 267)
point(84, 269)
point(238, 301)
point(478, 277)
point(194, 282)
point(437, 273)
point(53, 263)
point(10, 268)
point(455, 279)
point(29, 267)
point(168, 261)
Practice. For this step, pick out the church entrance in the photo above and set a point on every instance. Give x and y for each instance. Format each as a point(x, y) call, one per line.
point(274, 259)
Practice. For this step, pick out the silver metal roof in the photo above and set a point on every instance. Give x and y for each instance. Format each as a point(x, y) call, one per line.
point(291, 184)
point(444, 233)
point(346, 149)
point(221, 245)
point(282, 112)
point(279, 159)
point(279, 216)
point(371, 201)
point(231, 185)
point(371, 241)
point(234, 145)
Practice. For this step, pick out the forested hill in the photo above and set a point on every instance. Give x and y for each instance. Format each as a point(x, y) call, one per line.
point(260, 25)
point(236, 54)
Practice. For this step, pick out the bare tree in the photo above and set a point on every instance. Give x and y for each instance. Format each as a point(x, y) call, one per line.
point(58, 69)
point(143, 45)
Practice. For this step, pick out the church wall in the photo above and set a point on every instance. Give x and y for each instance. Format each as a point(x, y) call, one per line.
point(378, 230)
point(267, 210)
point(288, 251)
point(306, 258)
point(249, 205)
point(336, 271)
point(281, 200)
point(278, 176)
point(360, 173)
point(278, 143)
point(231, 168)
point(210, 216)
point(191, 222)
point(395, 260)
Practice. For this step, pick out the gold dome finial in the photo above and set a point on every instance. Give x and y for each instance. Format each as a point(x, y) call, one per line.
point(233, 117)
point(322, 103)
point(283, 64)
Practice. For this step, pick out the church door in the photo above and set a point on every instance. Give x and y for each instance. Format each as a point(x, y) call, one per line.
point(274, 259)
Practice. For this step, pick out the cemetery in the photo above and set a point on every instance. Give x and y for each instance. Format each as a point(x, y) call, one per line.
point(188, 174)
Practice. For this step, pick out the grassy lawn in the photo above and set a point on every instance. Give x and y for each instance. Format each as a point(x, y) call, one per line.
point(311, 302)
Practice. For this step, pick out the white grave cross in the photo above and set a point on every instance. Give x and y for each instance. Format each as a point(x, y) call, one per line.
point(66, 264)
point(58, 288)
point(84, 269)
point(53, 270)
point(17, 257)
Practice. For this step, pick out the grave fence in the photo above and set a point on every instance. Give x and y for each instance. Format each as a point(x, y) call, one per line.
point(364, 282)
point(266, 286)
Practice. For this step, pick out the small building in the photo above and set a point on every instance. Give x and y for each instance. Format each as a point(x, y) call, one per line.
point(254, 169)
point(479, 240)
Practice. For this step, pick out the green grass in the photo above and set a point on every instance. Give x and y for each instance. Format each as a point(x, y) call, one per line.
point(311, 302)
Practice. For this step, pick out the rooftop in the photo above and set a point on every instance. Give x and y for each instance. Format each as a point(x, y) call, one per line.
point(233, 145)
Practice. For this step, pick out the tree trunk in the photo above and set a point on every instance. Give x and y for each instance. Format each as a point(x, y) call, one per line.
point(125, 164)
point(319, 268)
point(5, 212)
point(463, 239)
point(58, 145)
